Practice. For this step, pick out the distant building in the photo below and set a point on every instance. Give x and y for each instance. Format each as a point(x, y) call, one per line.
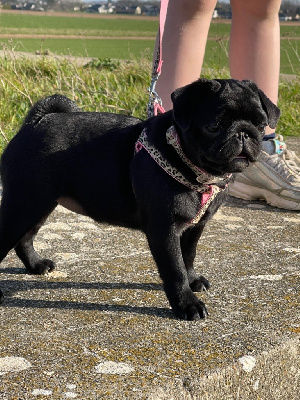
point(105, 8)
point(39, 5)
point(284, 16)
point(215, 14)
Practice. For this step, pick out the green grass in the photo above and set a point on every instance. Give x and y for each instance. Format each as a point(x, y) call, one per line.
point(104, 85)
point(112, 48)
point(223, 29)
point(41, 24)
point(216, 51)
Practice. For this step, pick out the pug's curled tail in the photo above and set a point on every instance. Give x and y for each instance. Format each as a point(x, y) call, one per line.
point(52, 104)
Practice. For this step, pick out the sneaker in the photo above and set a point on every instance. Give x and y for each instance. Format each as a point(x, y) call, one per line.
point(274, 177)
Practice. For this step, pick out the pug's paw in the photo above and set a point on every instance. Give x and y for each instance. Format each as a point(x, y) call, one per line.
point(192, 309)
point(41, 267)
point(200, 284)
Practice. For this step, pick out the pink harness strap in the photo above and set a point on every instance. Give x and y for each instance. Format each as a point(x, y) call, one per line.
point(208, 191)
point(206, 200)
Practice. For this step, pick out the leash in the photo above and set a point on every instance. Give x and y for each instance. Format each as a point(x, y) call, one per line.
point(155, 103)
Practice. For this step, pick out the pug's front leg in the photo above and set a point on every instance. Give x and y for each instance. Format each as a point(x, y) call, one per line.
point(166, 250)
point(188, 242)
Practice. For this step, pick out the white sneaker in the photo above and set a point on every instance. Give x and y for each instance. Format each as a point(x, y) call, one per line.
point(274, 177)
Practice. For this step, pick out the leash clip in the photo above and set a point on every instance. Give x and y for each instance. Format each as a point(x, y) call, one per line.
point(153, 95)
point(155, 102)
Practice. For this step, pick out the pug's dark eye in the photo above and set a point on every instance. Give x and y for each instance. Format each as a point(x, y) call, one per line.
point(261, 127)
point(212, 128)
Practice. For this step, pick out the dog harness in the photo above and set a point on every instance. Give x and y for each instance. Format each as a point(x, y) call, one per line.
point(205, 183)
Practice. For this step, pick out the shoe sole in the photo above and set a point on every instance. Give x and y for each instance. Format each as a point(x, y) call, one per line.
point(247, 192)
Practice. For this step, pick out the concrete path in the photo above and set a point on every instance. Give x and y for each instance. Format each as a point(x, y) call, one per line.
point(100, 327)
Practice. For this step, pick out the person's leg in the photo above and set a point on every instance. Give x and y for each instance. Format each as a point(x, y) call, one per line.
point(254, 51)
point(255, 54)
point(183, 45)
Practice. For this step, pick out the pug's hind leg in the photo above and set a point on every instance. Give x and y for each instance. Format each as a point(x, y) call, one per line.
point(188, 242)
point(33, 262)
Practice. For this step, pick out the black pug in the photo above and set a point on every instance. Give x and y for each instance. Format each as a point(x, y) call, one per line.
point(165, 176)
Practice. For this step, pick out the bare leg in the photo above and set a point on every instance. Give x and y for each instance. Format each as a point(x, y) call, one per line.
point(184, 42)
point(255, 44)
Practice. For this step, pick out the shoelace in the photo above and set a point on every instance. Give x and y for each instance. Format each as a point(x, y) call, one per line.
point(286, 161)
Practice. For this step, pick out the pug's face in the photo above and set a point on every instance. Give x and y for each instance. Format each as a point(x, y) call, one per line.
point(221, 123)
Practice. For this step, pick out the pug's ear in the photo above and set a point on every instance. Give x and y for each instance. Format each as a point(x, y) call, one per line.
point(186, 98)
point(273, 112)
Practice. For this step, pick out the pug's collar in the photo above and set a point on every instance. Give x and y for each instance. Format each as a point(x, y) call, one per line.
point(204, 181)
point(201, 175)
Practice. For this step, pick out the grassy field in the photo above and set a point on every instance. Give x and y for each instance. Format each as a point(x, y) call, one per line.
point(216, 51)
point(62, 25)
point(127, 37)
point(112, 48)
point(107, 84)
point(84, 25)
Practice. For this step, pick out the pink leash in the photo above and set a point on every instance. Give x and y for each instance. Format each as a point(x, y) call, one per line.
point(155, 102)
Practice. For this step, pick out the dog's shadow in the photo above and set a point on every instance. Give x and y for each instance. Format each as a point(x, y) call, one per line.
point(12, 287)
